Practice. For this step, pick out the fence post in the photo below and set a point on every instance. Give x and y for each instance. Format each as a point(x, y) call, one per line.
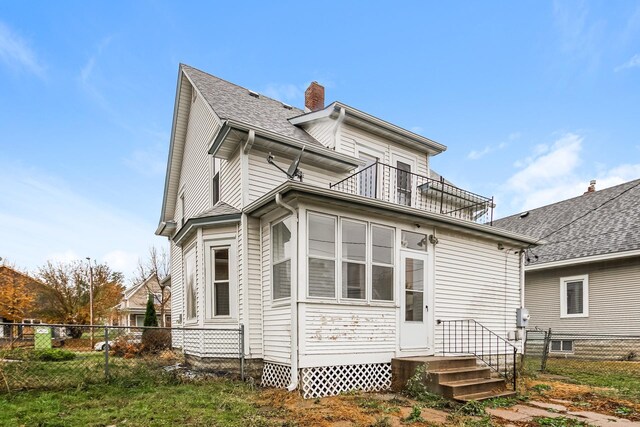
point(241, 348)
point(106, 352)
point(545, 351)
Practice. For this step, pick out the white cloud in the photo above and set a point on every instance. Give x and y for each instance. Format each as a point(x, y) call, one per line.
point(16, 53)
point(634, 62)
point(552, 174)
point(49, 220)
point(478, 154)
point(286, 92)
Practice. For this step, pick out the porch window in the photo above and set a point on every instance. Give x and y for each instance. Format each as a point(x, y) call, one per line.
point(382, 256)
point(190, 283)
point(322, 255)
point(281, 259)
point(574, 296)
point(354, 259)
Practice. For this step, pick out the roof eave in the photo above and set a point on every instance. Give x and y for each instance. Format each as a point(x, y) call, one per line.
point(194, 223)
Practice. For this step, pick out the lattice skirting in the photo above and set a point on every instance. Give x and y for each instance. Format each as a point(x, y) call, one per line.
point(275, 375)
point(332, 380)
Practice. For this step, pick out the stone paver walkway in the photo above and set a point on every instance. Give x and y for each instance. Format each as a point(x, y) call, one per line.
point(524, 413)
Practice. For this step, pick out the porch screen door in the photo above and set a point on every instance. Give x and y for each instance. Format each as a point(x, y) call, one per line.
point(414, 330)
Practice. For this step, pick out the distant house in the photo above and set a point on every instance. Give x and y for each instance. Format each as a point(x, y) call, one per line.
point(33, 286)
point(586, 277)
point(359, 259)
point(131, 310)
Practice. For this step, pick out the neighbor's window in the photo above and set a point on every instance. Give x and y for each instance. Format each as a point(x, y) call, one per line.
point(562, 346)
point(382, 256)
point(220, 281)
point(574, 296)
point(190, 283)
point(322, 256)
point(182, 210)
point(281, 259)
point(354, 259)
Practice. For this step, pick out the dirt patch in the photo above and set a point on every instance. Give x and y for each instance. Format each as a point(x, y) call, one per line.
point(578, 397)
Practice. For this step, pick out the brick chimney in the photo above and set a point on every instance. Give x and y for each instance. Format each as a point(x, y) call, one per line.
point(314, 97)
point(592, 187)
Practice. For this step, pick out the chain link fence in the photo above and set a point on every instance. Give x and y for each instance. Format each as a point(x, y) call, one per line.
point(601, 360)
point(42, 356)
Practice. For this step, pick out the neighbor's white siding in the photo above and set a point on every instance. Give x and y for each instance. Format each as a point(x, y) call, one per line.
point(475, 280)
point(277, 319)
point(195, 177)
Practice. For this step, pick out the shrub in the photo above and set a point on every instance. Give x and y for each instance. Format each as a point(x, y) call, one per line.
point(53, 355)
point(154, 340)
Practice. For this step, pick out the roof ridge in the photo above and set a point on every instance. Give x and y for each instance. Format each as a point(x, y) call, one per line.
point(182, 65)
point(607, 189)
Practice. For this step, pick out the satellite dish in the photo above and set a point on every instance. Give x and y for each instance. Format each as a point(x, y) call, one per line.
point(293, 170)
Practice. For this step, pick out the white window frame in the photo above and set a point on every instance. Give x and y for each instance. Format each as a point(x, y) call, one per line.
point(283, 260)
point(209, 291)
point(562, 350)
point(214, 169)
point(372, 263)
point(367, 265)
point(585, 296)
point(186, 254)
point(335, 259)
point(182, 209)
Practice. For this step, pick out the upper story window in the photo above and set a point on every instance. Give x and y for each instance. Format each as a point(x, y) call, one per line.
point(574, 296)
point(182, 209)
point(281, 259)
point(215, 180)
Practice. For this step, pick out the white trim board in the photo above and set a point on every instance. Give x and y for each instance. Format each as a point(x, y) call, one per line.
point(583, 260)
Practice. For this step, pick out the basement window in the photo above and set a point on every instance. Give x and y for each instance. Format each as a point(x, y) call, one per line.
point(561, 346)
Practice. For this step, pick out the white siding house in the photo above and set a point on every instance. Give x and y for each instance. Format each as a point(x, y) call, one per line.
point(334, 274)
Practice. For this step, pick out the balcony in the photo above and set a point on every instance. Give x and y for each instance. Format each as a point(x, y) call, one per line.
point(390, 184)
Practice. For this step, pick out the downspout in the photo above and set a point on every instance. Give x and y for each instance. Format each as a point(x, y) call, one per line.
point(521, 265)
point(294, 297)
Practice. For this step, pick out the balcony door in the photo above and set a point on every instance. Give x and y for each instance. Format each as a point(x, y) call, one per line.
point(404, 180)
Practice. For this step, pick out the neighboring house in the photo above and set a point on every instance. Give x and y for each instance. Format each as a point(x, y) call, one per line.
point(9, 276)
point(333, 275)
point(586, 278)
point(132, 308)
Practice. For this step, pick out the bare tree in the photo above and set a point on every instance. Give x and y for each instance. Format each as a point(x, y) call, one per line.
point(157, 264)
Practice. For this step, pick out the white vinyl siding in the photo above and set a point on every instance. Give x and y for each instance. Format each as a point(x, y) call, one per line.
point(475, 280)
point(231, 181)
point(254, 288)
point(277, 318)
point(322, 131)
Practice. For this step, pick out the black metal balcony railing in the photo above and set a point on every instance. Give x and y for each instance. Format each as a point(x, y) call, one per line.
point(391, 184)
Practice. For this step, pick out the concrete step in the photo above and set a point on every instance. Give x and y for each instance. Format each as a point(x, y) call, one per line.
point(403, 368)
point(459, 374)
point(454, 389)
point(485, 396)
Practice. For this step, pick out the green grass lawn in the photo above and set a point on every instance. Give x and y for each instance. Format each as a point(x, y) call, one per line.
point(623, 377)
point(212, 403)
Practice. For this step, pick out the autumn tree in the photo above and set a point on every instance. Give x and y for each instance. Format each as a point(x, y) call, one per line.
point(67, 288)
point(157, 264)
point(16, 294)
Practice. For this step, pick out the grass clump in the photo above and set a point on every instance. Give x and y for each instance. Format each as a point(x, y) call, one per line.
point(415, 415)
point(559, 422)
point(45, 355)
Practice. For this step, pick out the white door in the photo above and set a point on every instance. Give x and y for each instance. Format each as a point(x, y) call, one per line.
point(415, 333)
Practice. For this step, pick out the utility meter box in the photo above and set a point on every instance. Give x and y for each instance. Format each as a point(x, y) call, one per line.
point(522, 318)
point(42, 337)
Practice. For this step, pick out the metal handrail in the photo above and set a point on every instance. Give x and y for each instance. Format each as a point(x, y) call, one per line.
point(472, 337)
point(419, 191)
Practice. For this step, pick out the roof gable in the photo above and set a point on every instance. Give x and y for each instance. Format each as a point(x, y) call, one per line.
point(598, 223)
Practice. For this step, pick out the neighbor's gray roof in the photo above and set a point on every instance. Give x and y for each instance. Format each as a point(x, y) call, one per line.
point(234, 102)
point(220, 208)
point(613, 224)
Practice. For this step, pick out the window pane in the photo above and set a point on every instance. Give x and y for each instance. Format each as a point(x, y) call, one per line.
point(354, 237)
point(353, 280)
point(322, 236)
point(221, 257)
point(382, 250)
point(556, 346)
point(414, 274)
point(190, 288)
point(282, 280)
point(413, 306)
point(403, 183)
point(222, 299)
point(574, 298)
point(415, 241)
point(567, 345)
point(322, 282)
point(382, 283)
point(368, 176)
point(282, 240)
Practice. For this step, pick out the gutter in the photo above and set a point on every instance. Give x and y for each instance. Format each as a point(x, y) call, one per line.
point(294, 296)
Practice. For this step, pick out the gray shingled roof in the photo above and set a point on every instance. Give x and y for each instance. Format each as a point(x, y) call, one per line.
point(612, 227)
point(220, 208)
point(234, 102)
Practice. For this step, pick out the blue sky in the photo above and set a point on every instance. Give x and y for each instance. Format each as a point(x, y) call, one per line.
point(532, 98)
